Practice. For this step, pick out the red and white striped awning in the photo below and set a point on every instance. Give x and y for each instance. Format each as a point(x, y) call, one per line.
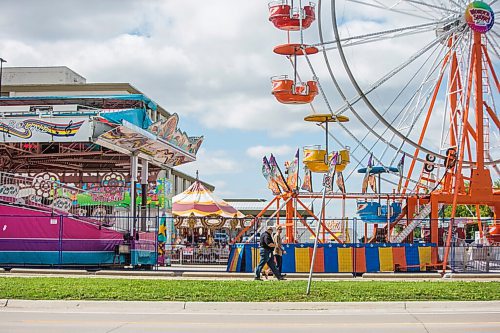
point(197, 201)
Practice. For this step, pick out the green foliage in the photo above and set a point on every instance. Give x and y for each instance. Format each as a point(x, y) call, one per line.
point(468, 211)
point(48, 288)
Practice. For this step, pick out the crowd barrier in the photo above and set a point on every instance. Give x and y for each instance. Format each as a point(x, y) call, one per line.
point(340, 258)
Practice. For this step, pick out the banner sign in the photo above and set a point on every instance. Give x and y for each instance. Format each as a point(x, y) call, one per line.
point(53, 129)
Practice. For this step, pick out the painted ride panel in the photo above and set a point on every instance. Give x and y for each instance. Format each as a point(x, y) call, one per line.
point(340, 258)
point(374, 212)
point(35, 237)
point(286, 92)
point(285, 17)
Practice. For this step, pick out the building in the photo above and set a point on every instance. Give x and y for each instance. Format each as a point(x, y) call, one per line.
point(61, 81)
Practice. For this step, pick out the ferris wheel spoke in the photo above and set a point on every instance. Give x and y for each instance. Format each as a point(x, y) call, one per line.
point(385, 7)
point(364, 97)
point(421, 3)
point(389, 75)
point(494, 46)
point(405, 110)
point(387, 34)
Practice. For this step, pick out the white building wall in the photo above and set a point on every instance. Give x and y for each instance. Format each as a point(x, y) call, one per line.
point(40, 75)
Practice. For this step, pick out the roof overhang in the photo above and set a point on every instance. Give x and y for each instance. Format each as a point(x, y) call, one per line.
point(131, 140)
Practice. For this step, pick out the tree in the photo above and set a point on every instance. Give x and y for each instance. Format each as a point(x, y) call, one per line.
point(470, 210)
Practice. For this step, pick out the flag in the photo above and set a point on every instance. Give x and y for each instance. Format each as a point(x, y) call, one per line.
point(340, 182)
point(266, 171)
point(373, 183)
point(307, 183)
point(293, 172)
point(276, 174)
point(330, 176)
point(366, 179)
point(401, 166)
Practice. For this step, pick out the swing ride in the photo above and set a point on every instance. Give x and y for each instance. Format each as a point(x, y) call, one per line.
point(428, 114)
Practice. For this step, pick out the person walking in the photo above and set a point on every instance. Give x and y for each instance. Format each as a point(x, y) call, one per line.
point(279, 251)
point(266, 255)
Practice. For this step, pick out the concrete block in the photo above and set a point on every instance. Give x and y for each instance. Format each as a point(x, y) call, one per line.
point(125, 273)
point(467, 276)
point(49, 271)
point(390, 275)
point(217, 275)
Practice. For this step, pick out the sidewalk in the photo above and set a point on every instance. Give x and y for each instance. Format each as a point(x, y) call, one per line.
point(242, 307)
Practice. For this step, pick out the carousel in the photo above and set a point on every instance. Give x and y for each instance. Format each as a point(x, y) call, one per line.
point(198, 213)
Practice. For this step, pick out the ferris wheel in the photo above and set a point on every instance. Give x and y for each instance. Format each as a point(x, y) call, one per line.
point(417, 79)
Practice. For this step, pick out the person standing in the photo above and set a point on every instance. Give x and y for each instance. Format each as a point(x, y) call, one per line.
point(279, 251)
point(266, 255)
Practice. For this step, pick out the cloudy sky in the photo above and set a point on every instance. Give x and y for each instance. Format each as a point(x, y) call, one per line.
point(211, 62)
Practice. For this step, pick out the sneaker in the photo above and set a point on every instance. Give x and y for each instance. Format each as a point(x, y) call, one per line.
point(257, 279)
point(283, 275)
point(281, 278)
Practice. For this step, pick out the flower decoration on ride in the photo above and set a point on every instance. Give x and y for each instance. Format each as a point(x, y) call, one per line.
point(45, 184)
point(112, 189)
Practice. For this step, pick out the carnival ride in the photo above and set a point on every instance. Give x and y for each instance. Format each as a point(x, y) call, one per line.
point(430, 73)
point(70, 189)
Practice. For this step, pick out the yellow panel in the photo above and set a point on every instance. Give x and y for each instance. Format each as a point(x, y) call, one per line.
point(385, 258)
point(302, 259)
point(345, 259)
point(424, 255)
point(255, 258)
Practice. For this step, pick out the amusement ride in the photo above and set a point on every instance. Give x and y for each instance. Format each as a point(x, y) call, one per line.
point(417, 82)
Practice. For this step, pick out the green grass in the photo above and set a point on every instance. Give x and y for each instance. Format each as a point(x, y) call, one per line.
point(47, 288)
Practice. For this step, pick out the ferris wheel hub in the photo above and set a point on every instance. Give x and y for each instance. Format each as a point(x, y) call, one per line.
point(479, 16)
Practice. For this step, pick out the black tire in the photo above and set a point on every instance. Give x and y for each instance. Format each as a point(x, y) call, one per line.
point(430, 158)
point(428, 167)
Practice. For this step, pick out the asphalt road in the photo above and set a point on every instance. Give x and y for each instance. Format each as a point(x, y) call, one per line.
point(150, 317)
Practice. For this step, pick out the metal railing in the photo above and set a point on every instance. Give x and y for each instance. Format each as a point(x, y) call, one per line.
point(182, 255)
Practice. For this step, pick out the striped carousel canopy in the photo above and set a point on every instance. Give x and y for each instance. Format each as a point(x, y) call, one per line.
point(197, 201)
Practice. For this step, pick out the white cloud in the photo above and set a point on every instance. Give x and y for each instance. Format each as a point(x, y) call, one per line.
point(211, 163)
point(258, 152)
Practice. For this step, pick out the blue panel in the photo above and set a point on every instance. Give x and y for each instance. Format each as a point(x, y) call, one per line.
point(138, 117)
point(289, 258)
point(248, 257)
point(412, 257)
point(372, 259)
point(143, 257)
point(29, 258)
point(331, 258)
point(50, 258)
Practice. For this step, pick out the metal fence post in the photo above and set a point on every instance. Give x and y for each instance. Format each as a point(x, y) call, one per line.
point(487, 248)
point(61, 219)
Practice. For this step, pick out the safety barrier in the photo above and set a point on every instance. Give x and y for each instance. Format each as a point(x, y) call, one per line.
point(340, 258)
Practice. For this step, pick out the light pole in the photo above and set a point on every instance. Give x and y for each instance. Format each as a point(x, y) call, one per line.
point(2, 60)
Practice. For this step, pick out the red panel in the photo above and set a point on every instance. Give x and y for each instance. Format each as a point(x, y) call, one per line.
point(319, 262)
point(360, 260)
point(399, 257)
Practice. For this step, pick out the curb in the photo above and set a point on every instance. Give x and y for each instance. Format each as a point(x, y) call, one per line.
point(136, 273)
point(401, 276)
point(217, 275)
point(49, 271)
point(160, 307)
point(472, 276)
